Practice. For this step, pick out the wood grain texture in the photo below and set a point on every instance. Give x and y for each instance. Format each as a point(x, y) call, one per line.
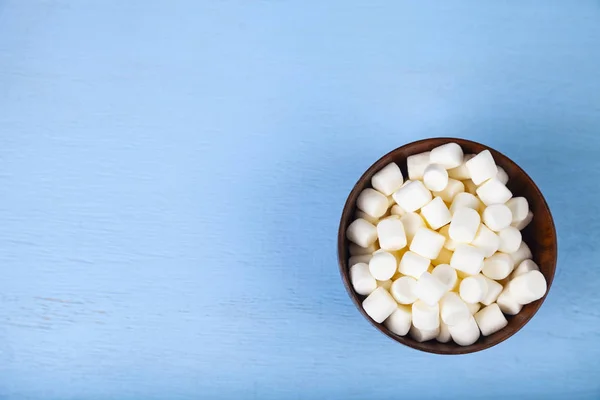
point(172, 175)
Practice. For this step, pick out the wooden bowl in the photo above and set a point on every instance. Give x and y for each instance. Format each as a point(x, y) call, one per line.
point(540, 236)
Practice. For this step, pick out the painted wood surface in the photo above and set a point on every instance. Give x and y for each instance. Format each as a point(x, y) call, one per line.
point(172, 175)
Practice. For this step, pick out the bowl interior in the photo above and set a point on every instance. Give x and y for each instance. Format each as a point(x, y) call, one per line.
point(540, 236)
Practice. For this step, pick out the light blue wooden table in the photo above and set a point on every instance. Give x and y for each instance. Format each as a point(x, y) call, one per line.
point(172, 174)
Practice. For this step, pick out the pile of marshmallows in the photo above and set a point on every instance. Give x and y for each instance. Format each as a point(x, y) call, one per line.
point(430, 252)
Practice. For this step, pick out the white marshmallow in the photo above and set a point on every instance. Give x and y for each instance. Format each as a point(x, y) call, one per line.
point(453, 188)
point(363, 258)
point(379, 305)
point(449, 155)
point(390, 232)
point(427, 243)
point(444, 335)
point(528, 287)
point(387, 285)
point(493, 192)
point(412, 222)
point(465, 334)
point(510, 239)
point(498, 266)
point(435, 177)
point(356, 250)
point(429, 289)
point(383, 265)
point(473, 289)
point(523, 253)
point(497, 217)
point(425, 316)
point(524, 267)
point(507, 303)
point(502, 176)
point(493, 291)
point(404, 290)
point(523, 224)
point(486, 240)
point(361, 232)
point(470, 187)
point(519, 207)
point(482, 167)
point(461, 172)
point(366, 217)
point(490, 319)
point(436, 213)
point(464, 225)
point(416, 165)
point(400, 320)
point(423, 335)
point(447, 275)
point(467, 258)
point(372, 202)
point(449, 244)
point(413, 264)
point(397, 210)
point(388, 179)
point(453, 310)
point(362, 280)
point(473, 307)
point(443, 258)
point(412, 196)
point(465, 199)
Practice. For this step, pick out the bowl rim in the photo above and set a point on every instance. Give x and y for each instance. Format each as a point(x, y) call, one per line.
point(343, 267)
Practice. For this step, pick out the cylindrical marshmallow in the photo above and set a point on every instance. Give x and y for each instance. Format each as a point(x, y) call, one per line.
point(435, 177)
point(519, 207)
point(465, 334)
point(523, 253)
point(397, 210)
point(453, 188)
point(486, 240)
point(473, 307)
point(449, 244)
point(400, 321)
point(498, 266)
point(482, 167)
point(493, 192)
point(524, 267)
point(425, 316)
point(416, 165)
point(449, 155)
point(508, 305)
point(356, 250)
point(429, 289)
point(366, 217)
point(363, 258)
point(413, 264)
point(453, 310)
point(383, 265)
point(528, 287)
point(372, 202)
point(490, 319)
point(361, 232)
point(493, 291)
point(379, 305)
point(510, 239)
point(464, 225)
point(465, 200)
point(427, 243)
point(467, 258)
point(423, 335)
point(444, 335)
point(497, 217)
point(390, 232)
point(473, 289)
point(523, 224)
point(412, 196)
point(362, 280)
point(388, 179)
point(443, 258)
point(470, 187)
point(412, 222)
point(436, 213)
point(403, 290)
point(461, 172)
point(447, 275)
point(502, 176)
